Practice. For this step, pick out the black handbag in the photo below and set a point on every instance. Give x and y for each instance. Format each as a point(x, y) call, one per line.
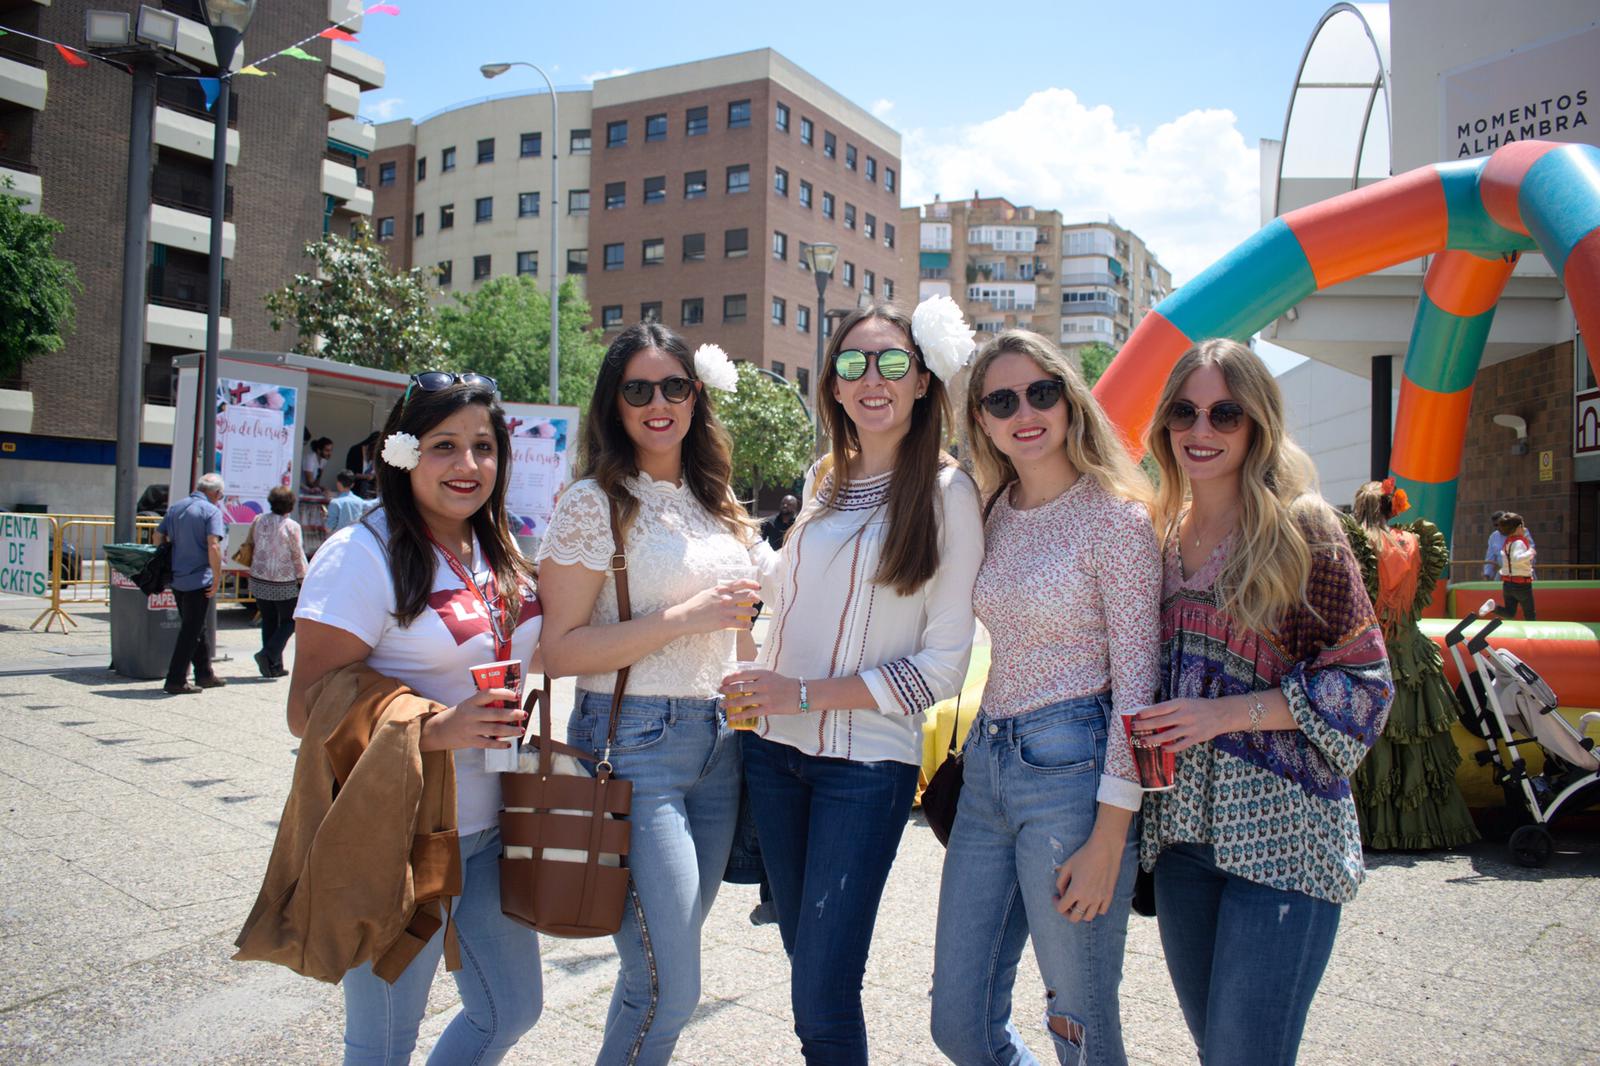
point(157, 573)
point(943, 794)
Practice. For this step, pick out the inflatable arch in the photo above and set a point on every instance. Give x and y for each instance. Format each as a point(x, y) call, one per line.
point(1475, 217)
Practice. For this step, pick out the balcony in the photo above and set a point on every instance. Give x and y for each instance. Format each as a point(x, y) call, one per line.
point(1086, 336)
point(342, 96)
point(339, 180)
point(1093, 277)
point(185, 96)
point(180, 327)
point(187, 191)
point(25, 183)
point(183, 290)
point(354, 132)
point(346, 14)
point(1089, 307)
point(23, 81)
point(185, 133)
point(187, 230)
point(365, 70)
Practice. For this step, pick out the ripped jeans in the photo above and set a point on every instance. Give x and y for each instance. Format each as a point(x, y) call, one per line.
point(1028, 801)
point(829, 831)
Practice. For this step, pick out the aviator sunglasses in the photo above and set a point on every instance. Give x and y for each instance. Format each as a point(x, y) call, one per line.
point(1042, 395)
point(1224, 417)
point(639, 392)
point(438, 380)
point(893, 363)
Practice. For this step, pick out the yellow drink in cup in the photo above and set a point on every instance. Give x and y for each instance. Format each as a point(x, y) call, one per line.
point(733, 664)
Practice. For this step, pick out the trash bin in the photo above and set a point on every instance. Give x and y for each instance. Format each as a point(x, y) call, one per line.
point(144, 630)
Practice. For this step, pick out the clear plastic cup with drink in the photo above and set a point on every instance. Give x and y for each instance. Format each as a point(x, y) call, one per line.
point(733, 664)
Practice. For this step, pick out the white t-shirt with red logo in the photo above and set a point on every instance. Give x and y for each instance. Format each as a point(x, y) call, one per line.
point(348, 586)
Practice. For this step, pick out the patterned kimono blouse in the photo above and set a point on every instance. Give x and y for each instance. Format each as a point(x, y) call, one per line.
point(1277, 809)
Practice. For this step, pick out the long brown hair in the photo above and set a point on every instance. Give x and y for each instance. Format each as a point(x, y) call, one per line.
point(911, 550)
point(412, 561)
point(608, 452)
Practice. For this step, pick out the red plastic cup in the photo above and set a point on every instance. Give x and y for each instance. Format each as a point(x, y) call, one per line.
point(1157, 765)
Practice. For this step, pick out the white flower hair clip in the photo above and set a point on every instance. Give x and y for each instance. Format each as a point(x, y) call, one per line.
point(713, 367)
point(402, 451)
point(943, 335)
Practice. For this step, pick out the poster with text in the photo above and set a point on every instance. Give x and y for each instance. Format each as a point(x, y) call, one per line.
point(257, 437)
point(542, 437)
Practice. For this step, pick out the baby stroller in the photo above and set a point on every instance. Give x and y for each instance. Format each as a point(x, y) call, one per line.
point(1508, 705)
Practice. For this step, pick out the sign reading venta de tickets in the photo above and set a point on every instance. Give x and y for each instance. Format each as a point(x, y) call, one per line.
point(24, 555)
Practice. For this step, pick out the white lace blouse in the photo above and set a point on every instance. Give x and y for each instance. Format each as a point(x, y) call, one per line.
point(676, 548)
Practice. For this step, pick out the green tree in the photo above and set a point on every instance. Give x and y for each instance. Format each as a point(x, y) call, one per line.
point(354, 308)
point(36, 288)
point(503, 329)
point(771, 431)
point(1094, 359)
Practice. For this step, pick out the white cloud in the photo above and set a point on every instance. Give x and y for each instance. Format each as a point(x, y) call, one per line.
point(590, 79)
point(1189, 188)
point(881, 107)
point(383, 110)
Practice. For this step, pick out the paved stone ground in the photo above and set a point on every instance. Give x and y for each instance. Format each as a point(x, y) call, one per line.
point(134, 829)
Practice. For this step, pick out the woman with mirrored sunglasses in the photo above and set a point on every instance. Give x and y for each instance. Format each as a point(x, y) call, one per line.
point(871, 601)
point(1043, 841)
point(1275, 683)
point(654, 450)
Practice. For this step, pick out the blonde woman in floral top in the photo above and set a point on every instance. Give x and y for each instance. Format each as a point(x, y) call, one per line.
point(1276, 683)
point(1042, 844)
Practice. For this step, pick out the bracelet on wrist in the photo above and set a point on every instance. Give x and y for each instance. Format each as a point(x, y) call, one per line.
point(805, 700)
point(1258, 712)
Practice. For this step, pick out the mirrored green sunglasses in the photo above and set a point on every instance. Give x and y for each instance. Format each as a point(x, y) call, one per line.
point(893, 363)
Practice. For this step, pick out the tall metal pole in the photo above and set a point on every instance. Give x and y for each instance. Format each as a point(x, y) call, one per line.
point(816, 384)
point(206, 406)
point(555, 246)
point(135, 269)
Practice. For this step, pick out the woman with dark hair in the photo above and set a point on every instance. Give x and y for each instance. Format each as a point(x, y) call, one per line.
point(422, 588)
point(656, 463)
point(361, 460)
point(872, 624)
point(277, 566)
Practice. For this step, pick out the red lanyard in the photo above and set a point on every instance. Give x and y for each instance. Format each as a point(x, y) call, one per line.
point(500, 630)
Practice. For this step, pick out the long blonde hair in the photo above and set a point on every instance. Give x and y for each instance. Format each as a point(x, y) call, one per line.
point(1093, 444)
point(1282, 518)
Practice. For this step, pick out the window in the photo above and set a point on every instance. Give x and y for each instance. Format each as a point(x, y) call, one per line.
point(650, 312)
point(888, 178)
point(484, 208)
point(655, 190)
point(802, 318)
point(738, 114)
point(447, 215)
point(739, 178)
point(694, 247)
point(807, 132)
point(827, 205)
point(697, 122)
point(528, 263)
point(579, 143)
point(872, 169)
point(577, 260)
point(735, 243)
point(782, 118)
point(361, 177)
point(577, 201)
point(805, 194)
point(486, 150)
point(385, 174)
point(888, 234)
point(655, 251)
point(830, 146)
point(655, 127)
point(447, 159)
point(779, 311)
point(611, 316)
point(532, 145)
point(869, 282)
point(386, 228)
point(849, 157)
point(869, 227)
point(694, 185)
point(480, 267)
point(888, 289)
point(802, 378)
point(849, 275)
point(849, 216)
point(616, 195)
point(733, 308)
point(694, 311)
point(422, 169)
point(418, 226)
point(780, 245)
point(616, 134)
point(778, 368)
point(527, 205)
point(780, 181)
point(446, 269)
point(613, 254)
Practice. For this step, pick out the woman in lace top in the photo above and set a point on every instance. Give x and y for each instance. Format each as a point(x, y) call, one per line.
point(1042, 840)
point(1276, 684)
point(655, 453)
point(872, 624)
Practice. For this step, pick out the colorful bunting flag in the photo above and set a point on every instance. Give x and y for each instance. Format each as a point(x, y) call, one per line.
point(255, 71)
point(212, 87)
point(382, 9)
point(296, 52)
point(73, 59)
point(334, 33)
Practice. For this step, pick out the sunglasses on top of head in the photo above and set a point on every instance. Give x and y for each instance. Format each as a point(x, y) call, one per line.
point(1042, 395)
point(1225, 417)
point(893, 363)
point(439, 380)
point(639, 392)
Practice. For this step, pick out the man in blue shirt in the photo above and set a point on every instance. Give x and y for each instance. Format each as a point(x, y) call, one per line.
point(1497, 541)
point(196, 529)
point(346, 508)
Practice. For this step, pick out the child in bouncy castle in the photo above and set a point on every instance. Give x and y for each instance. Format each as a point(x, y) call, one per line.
point(1516, 568)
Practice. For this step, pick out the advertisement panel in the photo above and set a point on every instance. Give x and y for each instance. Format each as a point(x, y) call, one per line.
point(543, 437)
point(1547, 91)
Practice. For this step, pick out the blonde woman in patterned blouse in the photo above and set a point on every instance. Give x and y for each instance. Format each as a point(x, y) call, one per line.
point(1276, 684)
point(1043, 841)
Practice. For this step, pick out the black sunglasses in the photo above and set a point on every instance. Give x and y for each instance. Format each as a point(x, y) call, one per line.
point(1224, 417)
point(438, 380)
point(640, 392)
point(893, 363)
point(1042, 395)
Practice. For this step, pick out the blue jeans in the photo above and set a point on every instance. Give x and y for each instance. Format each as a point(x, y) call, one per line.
point(1245, 959)
point(499, 980)
point(1028, 801)
point(683, 763)
point(829, 829)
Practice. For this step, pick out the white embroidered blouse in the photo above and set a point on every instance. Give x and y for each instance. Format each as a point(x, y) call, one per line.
point(676, 548)
point(830, 620)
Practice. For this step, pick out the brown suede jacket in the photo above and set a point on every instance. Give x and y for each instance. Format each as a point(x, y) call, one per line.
point(366, 861)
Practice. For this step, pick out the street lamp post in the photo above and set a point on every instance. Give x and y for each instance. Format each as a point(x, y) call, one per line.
point(494, 70)
point(820, 259)
point(228, 20)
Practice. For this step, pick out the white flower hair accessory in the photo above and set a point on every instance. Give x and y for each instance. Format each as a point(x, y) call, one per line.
point(714, 368)
point(402, 451)
point(943, 335)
